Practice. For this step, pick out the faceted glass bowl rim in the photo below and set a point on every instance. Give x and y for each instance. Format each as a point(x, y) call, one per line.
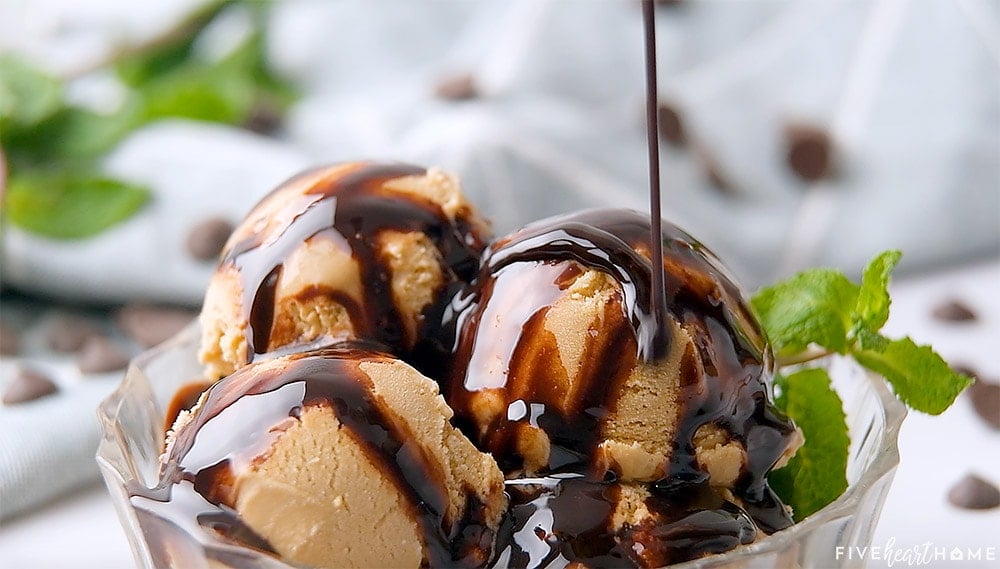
point(884, 463)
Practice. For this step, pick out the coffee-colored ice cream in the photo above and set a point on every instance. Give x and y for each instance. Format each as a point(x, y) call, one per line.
point(341, 458)
point(354, 250)
point(561, 368)
point(624, 435)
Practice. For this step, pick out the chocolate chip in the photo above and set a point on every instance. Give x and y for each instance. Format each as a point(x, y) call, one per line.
point(28, 385)
point(954, 311)
point(67, 333)
point(985, 397)
point(10, 341)
point(207, 238)
point(715, 175)
point(974, 493)
point(264, 118)
point(670, 125)
point(809, 151)
point(150, 325)
point(457, 88)
point(99, 355)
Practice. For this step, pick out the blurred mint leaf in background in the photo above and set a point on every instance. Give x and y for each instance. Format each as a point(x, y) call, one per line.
point(70, 205)
point(54, 150)
point(28, 96)
point(70, 136)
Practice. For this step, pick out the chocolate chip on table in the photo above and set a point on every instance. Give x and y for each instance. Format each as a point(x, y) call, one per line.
point(99, 354)
point(974, 493)
point(264, 118)
point(67, 333)
point(457, 88)
point(28, 385)
point(149, 325)
point(715, 175)
point(207, 238)
point(809, 151)
point(985, 397)
point(670, 124)
point(10, 341)
point(953, 311)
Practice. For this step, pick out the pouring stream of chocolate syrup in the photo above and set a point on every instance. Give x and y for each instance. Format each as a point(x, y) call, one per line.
point(658, 302)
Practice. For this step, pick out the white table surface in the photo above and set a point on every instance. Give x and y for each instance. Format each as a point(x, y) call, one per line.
point(81, 531)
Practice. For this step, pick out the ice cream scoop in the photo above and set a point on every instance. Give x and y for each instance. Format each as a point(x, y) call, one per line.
point(559, 366)
point(342, 457)
point(354, 250)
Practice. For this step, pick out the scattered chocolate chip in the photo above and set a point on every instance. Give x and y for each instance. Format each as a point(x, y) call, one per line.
point(10, 341)
point(207, 238)
point(670, 125)
point(985, 397)
point(264, 118)
point(974, 493)
point(457, 88)
point(28, 385)
point(150, 325)
point(67, 333)
point(954, 311)
point(99, 355)
point(715, 175)
point(809, 151)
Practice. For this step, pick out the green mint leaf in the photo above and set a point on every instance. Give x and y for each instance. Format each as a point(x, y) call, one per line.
point(873, 299)
point(70, 206)
point(817, 474)
point(170, 53)
point(814, 306)
point(71, 136)
point(200, 92)
point(27, 95)
point(918, 375)
point(868, 340)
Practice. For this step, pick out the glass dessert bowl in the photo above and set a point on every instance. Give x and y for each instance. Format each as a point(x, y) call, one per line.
point(133, 425)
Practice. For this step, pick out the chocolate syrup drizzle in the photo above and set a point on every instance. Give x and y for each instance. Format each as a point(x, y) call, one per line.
point(658, 302)
point(495, 326)
point(250, 406)
point(352, 208)
point(491, 336)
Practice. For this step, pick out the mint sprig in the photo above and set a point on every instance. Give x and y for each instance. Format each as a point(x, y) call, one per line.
point(817, 474)
point(54, 149)
point(821, 312)
point(920, 378)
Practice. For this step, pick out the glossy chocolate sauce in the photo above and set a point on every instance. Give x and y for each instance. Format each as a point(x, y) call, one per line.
point(724, 381)
point(554, 522)
point(353, 208)
point(184, 399)
point(243, 415)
